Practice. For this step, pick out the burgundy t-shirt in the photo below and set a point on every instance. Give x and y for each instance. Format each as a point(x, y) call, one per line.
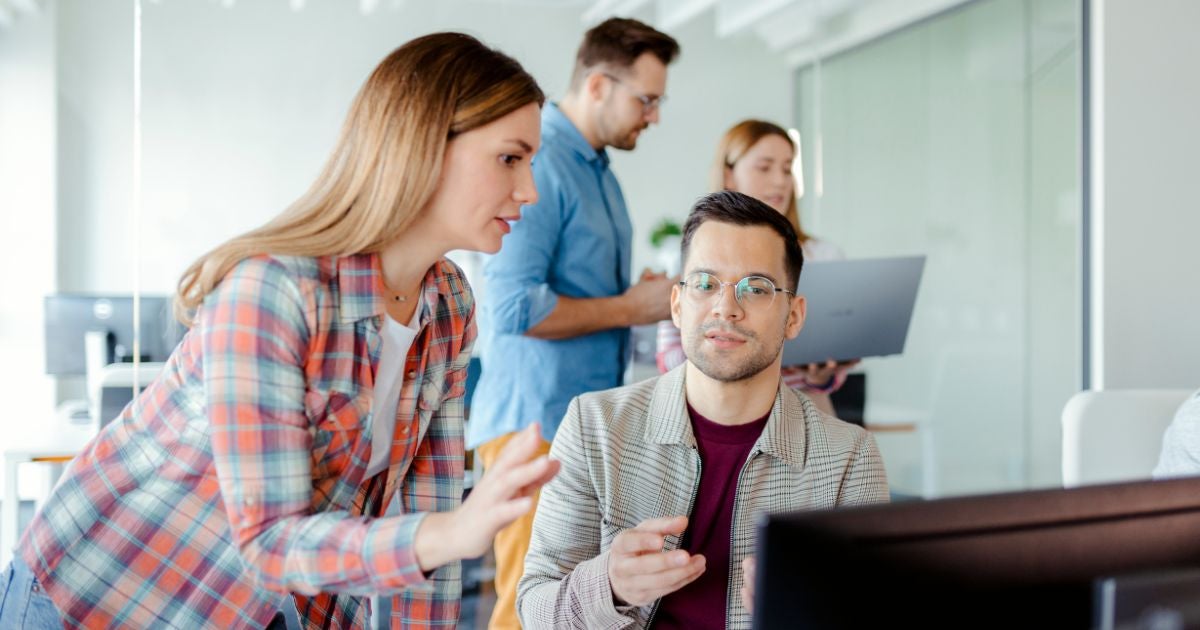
point(723, 452)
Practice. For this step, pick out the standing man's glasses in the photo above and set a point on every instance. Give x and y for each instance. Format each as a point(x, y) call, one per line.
point(751, 292)
point(649, 103)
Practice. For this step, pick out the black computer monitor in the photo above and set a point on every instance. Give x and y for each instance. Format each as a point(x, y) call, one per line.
point(1027, 559)
point(70, 316)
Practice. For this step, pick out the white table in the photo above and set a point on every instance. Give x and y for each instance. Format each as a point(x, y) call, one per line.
point(10, 516)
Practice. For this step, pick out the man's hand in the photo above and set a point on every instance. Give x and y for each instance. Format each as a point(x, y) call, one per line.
point(649, 301)
point(748, 584)
point(503, 494)
point(640, 572)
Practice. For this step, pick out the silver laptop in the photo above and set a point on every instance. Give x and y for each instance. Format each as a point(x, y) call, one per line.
point(856, 308)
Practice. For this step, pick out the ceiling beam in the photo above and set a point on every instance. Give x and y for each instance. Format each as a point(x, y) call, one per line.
point(735, 16)
point(793, 26)
point(673, 14)
point(604, 9)
point(25, 6)
point(869, 21)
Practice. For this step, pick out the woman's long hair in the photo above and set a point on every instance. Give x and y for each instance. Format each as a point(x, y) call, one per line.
point(387, 161)
point(736, 142)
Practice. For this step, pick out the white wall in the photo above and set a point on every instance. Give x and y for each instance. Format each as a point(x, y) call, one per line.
point(713, 85)
point(1145, 136)
point(27, 201)
point(242, 104)
point(240, 107)
point(95, 139)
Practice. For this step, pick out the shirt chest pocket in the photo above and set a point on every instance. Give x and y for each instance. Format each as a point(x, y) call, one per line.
point(337, 431)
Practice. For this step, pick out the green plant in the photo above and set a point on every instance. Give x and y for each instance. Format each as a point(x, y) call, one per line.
point(664, 229)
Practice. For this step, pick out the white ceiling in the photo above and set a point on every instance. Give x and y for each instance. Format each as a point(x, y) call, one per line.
point(12, 10)
point(798, 29)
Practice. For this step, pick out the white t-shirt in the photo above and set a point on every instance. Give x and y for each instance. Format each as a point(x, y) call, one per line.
point(389, 379)
point(1180, 456)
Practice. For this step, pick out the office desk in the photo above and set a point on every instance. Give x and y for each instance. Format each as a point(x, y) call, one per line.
point(11, 513)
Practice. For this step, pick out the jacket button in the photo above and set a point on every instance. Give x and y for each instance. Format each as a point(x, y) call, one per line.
point(412, 374)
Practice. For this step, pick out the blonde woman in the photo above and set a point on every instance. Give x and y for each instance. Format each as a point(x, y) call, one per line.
point(323, 375)
point(755, 158)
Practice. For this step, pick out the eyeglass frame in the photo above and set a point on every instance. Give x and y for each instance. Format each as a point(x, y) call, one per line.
point(649, 103)
point(721, 284)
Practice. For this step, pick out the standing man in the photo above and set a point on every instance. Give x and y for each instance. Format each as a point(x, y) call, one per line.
point(559, 300)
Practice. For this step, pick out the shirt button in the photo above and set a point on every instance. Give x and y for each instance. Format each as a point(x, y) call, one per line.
point(405, 430)
point(248, 501)
point(412, 374)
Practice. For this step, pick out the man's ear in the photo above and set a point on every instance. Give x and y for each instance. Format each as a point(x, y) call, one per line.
point(676, 317)
point(796, 313)
point(594, 85)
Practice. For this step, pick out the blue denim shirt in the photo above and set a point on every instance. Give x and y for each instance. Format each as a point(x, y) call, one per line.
point(575, 241)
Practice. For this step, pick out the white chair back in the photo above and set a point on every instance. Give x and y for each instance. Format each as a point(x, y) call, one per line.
point(1115, 435)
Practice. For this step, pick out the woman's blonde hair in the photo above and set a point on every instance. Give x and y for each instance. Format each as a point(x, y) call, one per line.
point(388, 158)
point(735, 143)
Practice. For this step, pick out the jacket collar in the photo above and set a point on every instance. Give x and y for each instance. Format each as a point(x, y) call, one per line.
point(783, 436)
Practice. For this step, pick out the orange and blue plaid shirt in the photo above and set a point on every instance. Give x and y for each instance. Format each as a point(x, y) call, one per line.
point(235, 482)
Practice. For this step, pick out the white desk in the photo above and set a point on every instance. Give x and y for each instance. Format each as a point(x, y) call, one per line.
point(10, 516)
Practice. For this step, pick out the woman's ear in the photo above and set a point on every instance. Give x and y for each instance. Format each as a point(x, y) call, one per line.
point(728, 183)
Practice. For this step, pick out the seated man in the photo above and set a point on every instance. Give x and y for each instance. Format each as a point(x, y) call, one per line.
point(1180, 455)
point(653, 511)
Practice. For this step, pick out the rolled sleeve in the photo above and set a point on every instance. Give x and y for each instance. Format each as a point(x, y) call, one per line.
point(517, 277)
point(390, 546)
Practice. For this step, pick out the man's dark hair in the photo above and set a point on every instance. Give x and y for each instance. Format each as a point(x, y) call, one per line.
point(618, 42)
point(738, 209)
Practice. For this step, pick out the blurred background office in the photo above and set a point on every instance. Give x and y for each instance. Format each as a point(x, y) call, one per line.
point(1041, 153)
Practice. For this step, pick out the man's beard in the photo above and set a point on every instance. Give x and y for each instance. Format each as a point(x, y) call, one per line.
point(626, 141)
point(719, 369)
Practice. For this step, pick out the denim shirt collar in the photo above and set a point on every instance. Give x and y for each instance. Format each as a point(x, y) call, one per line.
point(555, 121)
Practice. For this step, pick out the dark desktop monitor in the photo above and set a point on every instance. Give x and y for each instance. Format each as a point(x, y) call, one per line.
point(69, 317)
point(1027, 559)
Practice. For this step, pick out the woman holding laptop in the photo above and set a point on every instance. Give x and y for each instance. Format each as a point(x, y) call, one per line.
point(755, 158)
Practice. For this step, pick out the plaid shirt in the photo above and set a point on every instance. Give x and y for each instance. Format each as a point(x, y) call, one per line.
point(628, 454)
point(235, 481)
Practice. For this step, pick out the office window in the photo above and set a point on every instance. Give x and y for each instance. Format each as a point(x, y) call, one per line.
point(958, 138)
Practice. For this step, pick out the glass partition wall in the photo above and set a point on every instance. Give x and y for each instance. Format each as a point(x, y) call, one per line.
point(958, 138)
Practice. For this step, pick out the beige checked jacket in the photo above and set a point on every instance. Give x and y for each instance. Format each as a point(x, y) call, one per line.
point(628, 454)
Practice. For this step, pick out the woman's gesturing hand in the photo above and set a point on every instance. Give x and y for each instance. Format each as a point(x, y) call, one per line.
point(503, 494)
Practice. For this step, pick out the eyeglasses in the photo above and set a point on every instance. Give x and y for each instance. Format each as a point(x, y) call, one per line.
point(649, 103)
point(751, 292)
